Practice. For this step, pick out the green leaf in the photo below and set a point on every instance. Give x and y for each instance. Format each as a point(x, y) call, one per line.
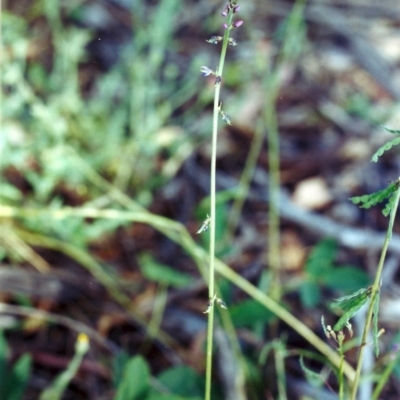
point(13, 381)
point(395, 350)
point(346, 279)
point(20, 377)
point(310, 294)
point(350, 305)
point(161, 273)
point(321, 258)
point(396, 132)
point(369, 200)
point(314, 378)
point(183, 381)
point(135, 382)
point(156, 395)
point(387, 146)
point(118, 365)
point(249, 312)
point(389, 205)
point(4, 382)
point(9, 194)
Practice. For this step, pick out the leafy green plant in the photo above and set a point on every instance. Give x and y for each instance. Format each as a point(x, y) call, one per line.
point(387, 146)
point(58, 387)
point(321, 272)
point(352, 303)
point(13, 380)
point(46, 114)
point(105, 138)
point(176, 383)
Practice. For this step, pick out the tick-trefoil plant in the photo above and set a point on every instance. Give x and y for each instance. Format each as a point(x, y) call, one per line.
point(230, 10)
point(352, 303)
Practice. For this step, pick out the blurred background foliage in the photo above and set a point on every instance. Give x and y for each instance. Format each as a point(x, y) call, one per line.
point(103, 99)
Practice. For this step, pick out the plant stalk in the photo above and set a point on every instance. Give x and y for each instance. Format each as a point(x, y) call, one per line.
point(211, 275)
point(375, 290)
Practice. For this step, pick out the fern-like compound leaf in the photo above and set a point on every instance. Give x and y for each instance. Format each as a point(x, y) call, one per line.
point(369, 200)
point(387, 146)
point(350, 305)
point(394, 131)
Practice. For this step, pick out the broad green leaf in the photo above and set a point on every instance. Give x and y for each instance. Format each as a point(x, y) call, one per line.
point(156, 395)
point(346, 279)
point(321, 258)
point(135, 382)
point(161, 273)
point(314, 378)
point(183, 381)
point(19, 377)
point(310, 294)
point(395, 348)
point(350, 305)
point(3, 366)
point(119, 362)
point(13, 380)
point(249, 312)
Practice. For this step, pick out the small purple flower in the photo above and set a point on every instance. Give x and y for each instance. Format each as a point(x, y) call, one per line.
point(225, 26)
point(224, 13)
point(237, 24)
point(205, 71)
point(236, 9)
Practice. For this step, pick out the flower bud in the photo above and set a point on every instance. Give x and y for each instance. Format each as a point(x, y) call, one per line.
point(232, 42)
point(205, 71)
point(237, 24)
point(214, 39)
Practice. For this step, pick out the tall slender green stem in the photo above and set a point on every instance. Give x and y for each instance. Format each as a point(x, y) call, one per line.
point(375, 290)
point(211, 277)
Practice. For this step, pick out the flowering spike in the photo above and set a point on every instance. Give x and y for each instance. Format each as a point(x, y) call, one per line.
point(210, 304)
point(206, 224)
point(205, 71)
point(349, 328)
point(226, 11)
point(221, 303)
point(214, 39)
point(232, 42)
point(225, 117)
